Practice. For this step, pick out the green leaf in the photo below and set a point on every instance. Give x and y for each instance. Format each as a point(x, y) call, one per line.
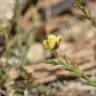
point(51, 61)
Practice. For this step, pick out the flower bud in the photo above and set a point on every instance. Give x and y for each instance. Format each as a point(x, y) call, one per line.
point(52, 42)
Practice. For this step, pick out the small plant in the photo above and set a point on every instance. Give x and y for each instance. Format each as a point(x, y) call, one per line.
point(9, 86)
point(51, 43)
point(87, 15)
point(63, 61)
point(86, 12)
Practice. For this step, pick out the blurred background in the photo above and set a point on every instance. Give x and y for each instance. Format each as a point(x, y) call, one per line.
point(58, 17)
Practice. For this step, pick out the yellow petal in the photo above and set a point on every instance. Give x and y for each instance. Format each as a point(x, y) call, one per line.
point(52, 42)
point(51, 45)
point(52, 37)
point(45, 43)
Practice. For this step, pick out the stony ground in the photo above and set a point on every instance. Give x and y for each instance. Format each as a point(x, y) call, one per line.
point(78, 40)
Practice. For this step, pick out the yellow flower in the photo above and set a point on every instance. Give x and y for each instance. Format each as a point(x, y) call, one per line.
point(52, 42)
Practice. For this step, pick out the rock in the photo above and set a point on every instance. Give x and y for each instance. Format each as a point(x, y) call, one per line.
point(7, 10)
point(92, 8)
point(13, 74)
point(36, 53)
